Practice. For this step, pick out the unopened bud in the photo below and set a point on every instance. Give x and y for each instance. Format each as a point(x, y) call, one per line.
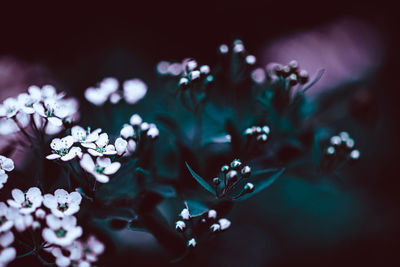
point(262, 138)
point(216, 181)
point(192, 243)
point(225, 168)
point(235, 164)
point(194, 75)
point(225, 223)
point(330, 151)
point(303, 76)
point(293, 79)
point(336, 140)
point(205, 69)
point(246, 171)
point(180, 225)
point(223, 49)
point(212, 214)
point(293, 65)
point(184, 83)
point(355, 154)
point(215, 227)
point(232, 176)
point(185, 214)
point(249, 187)
point(266, 129)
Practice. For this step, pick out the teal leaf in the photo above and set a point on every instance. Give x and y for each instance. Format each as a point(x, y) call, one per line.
point(260, 186)
point(201, 181)
point(196, 208)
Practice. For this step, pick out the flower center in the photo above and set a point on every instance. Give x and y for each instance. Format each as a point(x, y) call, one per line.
point(50, 112)
point(2, 220)
point(99, 169)
point(63, 151)
point(100, 149)
point(27, 204)
point(88, 250)
point(63, 207)
point(61, 233)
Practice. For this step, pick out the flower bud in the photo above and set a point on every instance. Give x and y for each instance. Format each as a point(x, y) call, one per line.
point(262, 138)
point(293, 65)
point(250, 59)
point(232, 176)
point(303, 76)
point(336, 140)
point(285, 71)
point(191, 65)
point(183, 83)
point(194, 75)
point(225, 223)
point(215, 227)
point(344, 136)
point(225, 168)
point(248, 131)
point(212, 214)
point(330, 151)
point(249, 187)
point(266, 129)
point(350, 143)
point(355, 154)
point(144, 126)
point(223, 49)
point(246, 171)
point(185, 214)
point(180, 225)
point(135, 120)
point(205, 69)
point(191, 243)
point(216, 181)
point(235, 164)
point(293, 79)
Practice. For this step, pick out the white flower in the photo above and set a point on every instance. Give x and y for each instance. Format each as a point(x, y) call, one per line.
point(225, 223)
point(191, 243)
point(83, 136)
point(153, 131)
point(61, 231)
point(53, 110)
point(26, 202)
point(9, 108)
point(121, 146)
point(69, 255)
point(101, 146)
point(99, 95)
point(6, 164)
point(101, 168)
point(7, 253)
point(21, 221)
point(131, 145)
point(135, 120)
point(127, 131)
point(6, 221)
point(134, 90)
point(93, 248)
point(46, 92)
point(63, 149)
point(63, 203)
point(185, 214)
point(26, 102)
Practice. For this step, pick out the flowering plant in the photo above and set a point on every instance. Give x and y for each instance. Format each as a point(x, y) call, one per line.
point(222, 134)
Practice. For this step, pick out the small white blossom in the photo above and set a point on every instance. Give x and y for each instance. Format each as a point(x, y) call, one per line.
point(127, 131)
point(191, 243)
point(185, 214)
point(101, 168)
point(6, 164)
point(135, 120)
point(131, 145)
point(6, 218)
point(26, 202)
point(40, 214)
point(56, 110)
point(93, 248)
point(21, 221)
point(99, 95)
point(215, 227)
point(7, 253)
point(212, 214)
point(153, 131)
point(180, 225)
point(121, 146)
point(101, 146)
point(134, 90)
point(225, 223)
point(9, 108)
point(63, 149)
point(69, 255)
point(61, 231)
point(84, 137)
point(63, 203)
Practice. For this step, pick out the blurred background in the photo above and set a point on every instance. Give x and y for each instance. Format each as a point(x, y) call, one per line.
point(297, 222)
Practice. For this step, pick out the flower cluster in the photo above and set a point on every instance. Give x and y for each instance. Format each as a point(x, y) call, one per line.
point(260, 134)
point(166, 68)
point(6, 165)
point(133, 133)
point(52, 216)
point(194, 74)
point(231, 175)
point(132, 91)
point(48, 109)
point(195, 227)
point(291, 72)
point(85, 145)
point(340, 150)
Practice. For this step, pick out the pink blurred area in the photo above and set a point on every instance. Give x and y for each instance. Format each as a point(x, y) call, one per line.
point(15, 77)
point(348, 49)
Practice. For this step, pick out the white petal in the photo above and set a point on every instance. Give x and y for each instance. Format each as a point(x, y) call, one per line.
point(18, 195)
point(134, 90)
point(102, 141)
point(55, 121)
point(89, 145)
point(87, 163)
point(6, 239)
point(61, 195)
point(94, 153)
point(50, 201)
point(113, 168)
point(101, 178)
point(53, 222)
point(103, 162)
point(74, 198)
point(120, 145)
point(53, 156)
point(7, 255)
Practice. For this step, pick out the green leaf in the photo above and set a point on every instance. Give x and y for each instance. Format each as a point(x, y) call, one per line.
point(196, 208)
point(200, 180)
point(264, 183)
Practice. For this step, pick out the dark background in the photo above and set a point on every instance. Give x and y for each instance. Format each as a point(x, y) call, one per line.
point(80, 44)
